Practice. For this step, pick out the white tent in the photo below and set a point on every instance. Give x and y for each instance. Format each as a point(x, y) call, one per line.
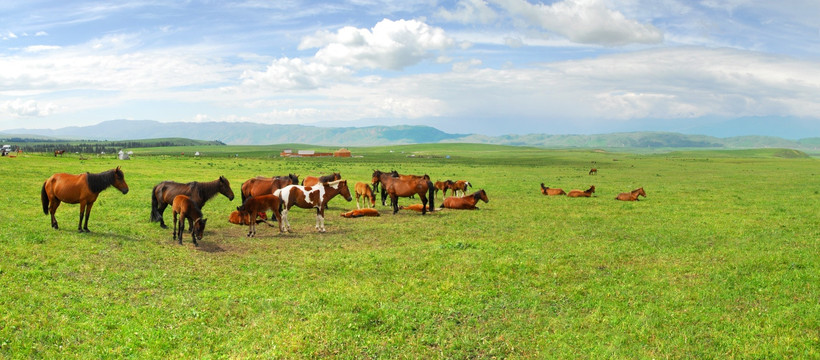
point(123, 156)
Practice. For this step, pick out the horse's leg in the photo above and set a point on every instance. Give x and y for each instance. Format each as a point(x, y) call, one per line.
point(181, 228)
point(285, 219)
point(423, 198)
point(53, 209)
point(161, 209)
point(394, 200)
point(82, 214)
point(357, 200)
point(175, 225)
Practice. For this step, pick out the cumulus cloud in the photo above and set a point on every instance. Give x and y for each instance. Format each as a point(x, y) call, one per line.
point(27, 108)
point(294, 74)
point(583, 21)
point(392, 45)
point(469, 12)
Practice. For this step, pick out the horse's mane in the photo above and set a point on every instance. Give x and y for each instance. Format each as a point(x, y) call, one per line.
point(205, 190)
point(101, 181)
point(477, 195)
point(334, 184)
point(328, 178)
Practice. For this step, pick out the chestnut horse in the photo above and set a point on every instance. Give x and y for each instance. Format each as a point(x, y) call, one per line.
point(460, 186)
point(404, 186)
point(199, 192)
point(360, 212)
point(593, 171)
point(187, 210)
point(364, 190)
point(307, 197)
point(237, 218)
point(579, 193)
point(631, 196)
point(443, 186)
point(312, 180)
point(465, 202)
point(259, 205)
point(265, 186)
point(82, 189)
point(547, 191)
point(59, 152)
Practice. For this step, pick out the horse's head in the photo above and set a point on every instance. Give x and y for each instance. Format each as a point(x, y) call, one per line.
point(483, 196)
point(199, 228)
point(119, 181)
point(376, 178)
point(641, 192)
point(225, 188)
point(294, 179)
point(344, 190)
point(337, 176)
point(591, 189)
point(394, 173)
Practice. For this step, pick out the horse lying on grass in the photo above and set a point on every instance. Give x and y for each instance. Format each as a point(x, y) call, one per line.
point(631, 196)
point(465, 202)
point(360, 212)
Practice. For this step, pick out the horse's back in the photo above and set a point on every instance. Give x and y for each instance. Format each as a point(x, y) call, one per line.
point(69, 188)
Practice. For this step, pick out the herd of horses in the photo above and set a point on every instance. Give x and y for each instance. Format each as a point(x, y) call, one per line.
point(277, 194)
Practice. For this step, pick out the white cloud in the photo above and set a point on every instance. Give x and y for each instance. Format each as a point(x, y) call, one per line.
point(470, 12)
point(294, 74)
point(27, 108)
point(392, 45)
point(583, 21)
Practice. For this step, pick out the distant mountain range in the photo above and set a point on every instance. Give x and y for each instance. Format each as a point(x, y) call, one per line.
point(246, 133)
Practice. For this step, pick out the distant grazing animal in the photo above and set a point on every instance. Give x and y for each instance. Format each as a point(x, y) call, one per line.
point(363, 190)
point(460, 186)
point(631, 196)
point(361, 212)
point(547, 191)
point(406, 186)
point(265, 186)
point(255, 205)
point(593, 171)
point(312, 180)
point(443, 186)
point(187, 210)
point(579, 193)
point(237, 218)
point(82, 189)
point(164, 193)
point(58, 152)
point(465, 202)
point(307, 197)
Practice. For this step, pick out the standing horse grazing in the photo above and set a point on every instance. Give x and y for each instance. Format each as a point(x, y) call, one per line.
point(465, 202)
point(187, 210)
point(199, 192)
point(364, 190)
point(82, 189)
point(307, 197)
point(631, 196)
point(459, 186)
point(312, 180)
point(579, 193)
point(265, 186)
point(259, 205)
point(547, 191)
point(59, 152)
point(404, 186)
point(593, 171)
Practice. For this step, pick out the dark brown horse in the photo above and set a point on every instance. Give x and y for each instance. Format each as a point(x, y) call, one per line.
point(313, 180)
point(185, 209)
point(548, 191)
point(59, 152)
point(199, 192)
point(82, 189)
point(405, 186)
point(465, 202)
point(631, 196)
point(265, 186)
point(307, 197)
point(579, 193)
point(255, 205)
point(396, 174)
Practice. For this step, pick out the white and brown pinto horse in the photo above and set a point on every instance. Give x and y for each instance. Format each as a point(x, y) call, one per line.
point(308, 197)
point(465, 202)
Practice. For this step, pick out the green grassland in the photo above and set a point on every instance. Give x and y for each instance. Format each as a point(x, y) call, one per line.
point(719, 261)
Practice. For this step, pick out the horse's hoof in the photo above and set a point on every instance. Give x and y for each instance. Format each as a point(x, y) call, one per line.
point(163, 226)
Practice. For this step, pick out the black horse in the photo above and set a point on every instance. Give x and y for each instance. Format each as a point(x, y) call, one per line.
point(199, 192)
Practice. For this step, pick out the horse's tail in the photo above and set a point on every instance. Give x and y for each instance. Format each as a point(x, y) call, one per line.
point(431, 193)
point(155, 215)
point(44, 199)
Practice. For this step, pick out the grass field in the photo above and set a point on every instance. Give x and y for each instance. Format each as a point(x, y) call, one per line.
point(719, 261)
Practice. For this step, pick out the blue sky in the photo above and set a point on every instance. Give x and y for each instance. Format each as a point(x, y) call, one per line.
point(471, 66)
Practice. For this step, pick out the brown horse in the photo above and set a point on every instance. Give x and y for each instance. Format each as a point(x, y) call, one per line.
point(360, 212)
point(443, 186)
point(164, 193)
point(259, 205)
point(313, 180)
point(466, 202)
point(406, 186)
point(579, 193)
point(547, 191)
point(237, 218)
point(187, 210)
point(593, 171)
point(631, 196)
point(414, 207)
point(307, 197)
point(364, 190)
point(82, 189)
point(265, 186)
point(59, 152)
point(460, 186)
